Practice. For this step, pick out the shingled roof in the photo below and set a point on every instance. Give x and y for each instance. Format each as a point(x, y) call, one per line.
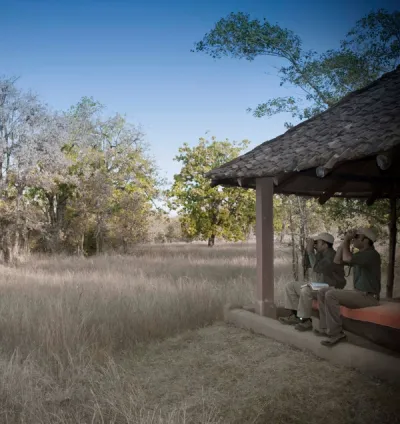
point(363, 124)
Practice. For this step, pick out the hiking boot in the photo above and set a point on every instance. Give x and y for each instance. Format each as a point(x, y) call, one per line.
point(304, 325)
point(334, 340)
point(320, 333)
point(290, 320)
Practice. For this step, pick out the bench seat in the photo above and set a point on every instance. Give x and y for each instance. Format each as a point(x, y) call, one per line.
point(386, 314)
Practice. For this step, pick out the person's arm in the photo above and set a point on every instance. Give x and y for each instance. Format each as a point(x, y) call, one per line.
point(347, 256)
point(338, 256)
point(311, 253)
point(313, 259)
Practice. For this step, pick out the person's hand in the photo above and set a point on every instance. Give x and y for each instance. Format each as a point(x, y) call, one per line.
point(310, 245)
point(349, 235)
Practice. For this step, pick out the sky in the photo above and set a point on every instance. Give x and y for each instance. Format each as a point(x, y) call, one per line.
point(134, 57)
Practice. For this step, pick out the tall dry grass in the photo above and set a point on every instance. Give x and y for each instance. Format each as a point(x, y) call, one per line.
point(58, 306)
point(74, 331)
point(64, 319)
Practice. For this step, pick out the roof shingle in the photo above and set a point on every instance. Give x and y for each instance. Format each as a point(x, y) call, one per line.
point(362, 124)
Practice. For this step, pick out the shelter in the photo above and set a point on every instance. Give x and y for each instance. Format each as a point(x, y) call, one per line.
point(350, 150)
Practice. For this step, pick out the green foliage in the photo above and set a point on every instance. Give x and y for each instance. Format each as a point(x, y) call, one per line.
point(207, 212)
point(173, 231)
point(75, 181)
point(351, 213)
point(117, 181)
point(376, 38)
point(370, 48)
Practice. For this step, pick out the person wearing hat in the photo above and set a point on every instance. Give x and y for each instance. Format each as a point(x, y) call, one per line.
point(366, 264)
point(298, 296)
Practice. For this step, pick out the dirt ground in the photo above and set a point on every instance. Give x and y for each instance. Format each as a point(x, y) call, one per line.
point(224, 374)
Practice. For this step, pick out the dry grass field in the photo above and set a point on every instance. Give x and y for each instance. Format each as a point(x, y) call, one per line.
point(139, 339)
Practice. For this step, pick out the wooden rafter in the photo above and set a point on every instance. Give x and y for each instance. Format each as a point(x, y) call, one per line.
point(283, 180)
point(334, 188)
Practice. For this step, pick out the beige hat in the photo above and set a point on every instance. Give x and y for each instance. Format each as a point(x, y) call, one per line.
point(324, 237)
point(367, 232)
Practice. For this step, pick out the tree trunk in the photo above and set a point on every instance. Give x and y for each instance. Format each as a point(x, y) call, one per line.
point(20, 221)
point(51, 211)
point(56, 209)
point(80, 249)
point(392, 248)
point(5, 245)
point(52, 241)
point(282, 235)
point(99, 243)
point(60, 210)
point(17, 243)
point(24, 234)
point(211, 240)
point(99, 236)
point(303, 234)
point(25, 241)
point(6, 254)
point(125, 246)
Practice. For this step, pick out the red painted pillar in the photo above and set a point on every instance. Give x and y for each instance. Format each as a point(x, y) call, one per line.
point(265, 247)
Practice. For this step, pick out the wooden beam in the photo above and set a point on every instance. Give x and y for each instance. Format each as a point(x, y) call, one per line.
point(384, 161)
point(322, 172)
point(284, 179)
point(376, 194)
point(336, 186)
point(392, 248)
point(265, 247)
point(348, 176)
point(317, 194)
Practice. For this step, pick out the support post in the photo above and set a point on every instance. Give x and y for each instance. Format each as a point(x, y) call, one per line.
point(392, 247)
point(265, 247)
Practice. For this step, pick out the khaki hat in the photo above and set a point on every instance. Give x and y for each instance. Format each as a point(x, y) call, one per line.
point(367, 232)
point(324, 237)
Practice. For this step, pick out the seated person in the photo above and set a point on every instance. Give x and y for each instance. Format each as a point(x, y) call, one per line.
point(298, 298)
point(367, 284)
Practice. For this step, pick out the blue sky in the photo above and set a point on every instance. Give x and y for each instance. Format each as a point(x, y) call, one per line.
point(134, 57)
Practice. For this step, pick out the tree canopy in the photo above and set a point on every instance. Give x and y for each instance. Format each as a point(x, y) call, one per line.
point(369, 49)
point(208, 212)
point(73, 180)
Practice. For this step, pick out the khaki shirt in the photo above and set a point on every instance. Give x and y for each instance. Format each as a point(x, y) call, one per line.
point(327, 271)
